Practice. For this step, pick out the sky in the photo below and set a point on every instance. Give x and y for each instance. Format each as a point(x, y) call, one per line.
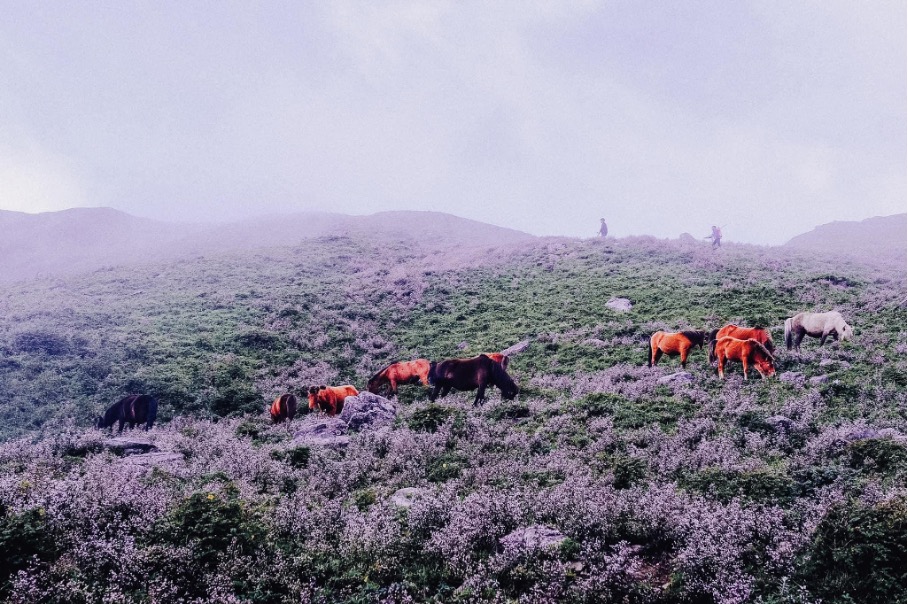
point(766, 118)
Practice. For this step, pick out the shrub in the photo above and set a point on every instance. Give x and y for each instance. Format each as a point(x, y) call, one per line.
point(23, 537)
point(430, 417)
point(857, 554)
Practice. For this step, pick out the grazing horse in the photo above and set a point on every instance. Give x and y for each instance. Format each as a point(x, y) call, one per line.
point(470, 374)
point(133, 409)
point(816, 325)
point(404, 372)
point(501, 359)
point(330, 399)
point(742, 333)
point(749, 352)
point(674, 344)
point(283, 407)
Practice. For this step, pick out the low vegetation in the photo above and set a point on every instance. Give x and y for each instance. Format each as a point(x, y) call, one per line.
point(777, 491)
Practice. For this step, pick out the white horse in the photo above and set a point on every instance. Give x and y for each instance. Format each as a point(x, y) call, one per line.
point(816, 325)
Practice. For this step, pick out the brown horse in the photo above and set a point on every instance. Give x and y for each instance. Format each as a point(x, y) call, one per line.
point(133, 409)
point(470, 374)
point(330, 399)
point(404, 372)
point(742, 333)
point(674, 344)
point(749, 352)
point(283, 408)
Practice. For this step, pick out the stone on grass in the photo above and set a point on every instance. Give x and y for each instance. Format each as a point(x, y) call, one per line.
point(367, 411)
point(405, 497)
point(533, 537)
point(619, 304)
point(156, 458)
point(819, 379)
point(679, 377)
point(125, 445)
point(792, 377)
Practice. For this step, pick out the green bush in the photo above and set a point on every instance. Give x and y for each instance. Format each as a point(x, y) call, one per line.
point(765, 486)
point(857, 554)
point(430, 417)
point(878, 454)
point(297, 457)
point(23, 537)
point(444, 467)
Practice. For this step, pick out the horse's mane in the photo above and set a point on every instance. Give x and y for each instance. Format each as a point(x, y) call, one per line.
point(694, 336)
point(381, 371)
point(762, 348)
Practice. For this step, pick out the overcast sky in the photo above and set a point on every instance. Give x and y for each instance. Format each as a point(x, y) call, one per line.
point(766, 118)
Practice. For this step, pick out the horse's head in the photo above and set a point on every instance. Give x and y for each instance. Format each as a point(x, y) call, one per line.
point(763, 360)
point(845, 333)
point(313, 397)
point(99, 423)
point(504, 382)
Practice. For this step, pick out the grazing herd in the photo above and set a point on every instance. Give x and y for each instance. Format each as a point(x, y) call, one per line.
point(752, 347)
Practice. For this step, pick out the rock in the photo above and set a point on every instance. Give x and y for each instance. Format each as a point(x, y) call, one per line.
point(157, 458)
point(533, 537)
point(516, 348)
point(619, 304)
point(792, 377)
point(676, 378)
point(404, 498)
point(841, 364)
point(463, 345)
point(687, 238)
point(819, 379)
point(595, 342)
point(321, 431)
point(123, 445)
point(367, 411)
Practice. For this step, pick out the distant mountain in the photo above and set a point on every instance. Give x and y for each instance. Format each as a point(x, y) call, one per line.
point(85, 239)
point(882, 238)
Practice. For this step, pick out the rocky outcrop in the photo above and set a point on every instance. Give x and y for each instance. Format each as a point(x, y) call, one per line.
point(619, 304)
point(404, 498)
point(680, 377)
point(532, 538)
point(125, 445)
point(366, 411)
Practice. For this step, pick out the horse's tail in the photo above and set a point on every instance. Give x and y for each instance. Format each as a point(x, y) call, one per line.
point(649, 353)
point(712, 350)
point(433, 366)
point(789, 339)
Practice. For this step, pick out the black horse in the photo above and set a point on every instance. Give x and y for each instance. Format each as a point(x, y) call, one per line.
point(133, 409)
point(470, 374)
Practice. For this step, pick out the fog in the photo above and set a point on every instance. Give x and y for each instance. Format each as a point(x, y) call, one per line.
point(765, 118)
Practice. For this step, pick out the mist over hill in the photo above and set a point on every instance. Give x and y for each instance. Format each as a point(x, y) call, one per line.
point(877, 239)
point(85, 239)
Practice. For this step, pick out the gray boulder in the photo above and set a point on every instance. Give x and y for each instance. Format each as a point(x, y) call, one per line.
point(404, 498)
point(124, 445)
point(819, 379)
point(367, 411)
point(532, 538)
point(154, 459)
point(792, 377)
point(680, 377)
point(516, 348)
point(619, 304)
point(320, 430)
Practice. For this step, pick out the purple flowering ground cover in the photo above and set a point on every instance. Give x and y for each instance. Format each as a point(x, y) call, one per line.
point(599, 483)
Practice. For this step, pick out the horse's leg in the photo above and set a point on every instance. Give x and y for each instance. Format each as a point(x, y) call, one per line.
point(435, 390)
point(721, 366)
point(445, 391)
point(798, 337)
point(122, 423)
point(823, 337)
point(480, 395)
point(744, 363)
point(684, 358)
point(393, 388)
point(656, 356)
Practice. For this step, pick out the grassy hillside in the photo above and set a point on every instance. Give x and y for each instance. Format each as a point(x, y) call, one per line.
point(706, 491)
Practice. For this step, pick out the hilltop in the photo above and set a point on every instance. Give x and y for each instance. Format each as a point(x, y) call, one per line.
point(878, 239)
point(80, 240)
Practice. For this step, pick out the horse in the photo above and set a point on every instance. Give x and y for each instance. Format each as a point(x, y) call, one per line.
point(749, 352)
point(283, 407)
point(742, 333)
point(816, 325)
point(330, 399)
point(133, 409)
point(674, 344)
point(501, 359)
point(404, 372)
point(470, 374)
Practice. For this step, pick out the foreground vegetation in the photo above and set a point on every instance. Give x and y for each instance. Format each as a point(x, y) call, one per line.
point(783, 490)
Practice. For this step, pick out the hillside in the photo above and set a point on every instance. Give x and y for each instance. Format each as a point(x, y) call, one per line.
point(878, 239)
point(85, 239)
point(654, 487)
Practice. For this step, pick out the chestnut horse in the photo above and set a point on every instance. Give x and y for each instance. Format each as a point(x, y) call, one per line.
point(816, 325)
point(749, 352)
point(404, 372)
point(470, 374)
point(133, 409)
point(330, 399)
point(501, 359)
point(673, 344)
point(742, 333)
point(283, 407)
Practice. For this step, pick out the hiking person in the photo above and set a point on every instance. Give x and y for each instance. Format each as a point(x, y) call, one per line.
point(716, 236)
point(603, 228)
